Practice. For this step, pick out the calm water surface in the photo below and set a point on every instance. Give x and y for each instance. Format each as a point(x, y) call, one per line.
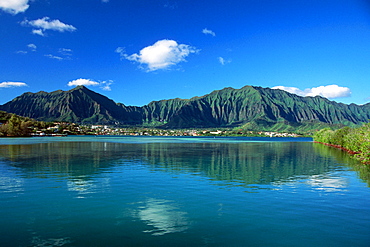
point(149, 191)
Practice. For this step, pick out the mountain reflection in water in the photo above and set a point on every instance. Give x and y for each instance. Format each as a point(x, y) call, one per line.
point(240, 163)
point(193, 192)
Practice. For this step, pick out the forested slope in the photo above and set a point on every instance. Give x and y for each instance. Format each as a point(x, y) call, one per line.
point(251, 108)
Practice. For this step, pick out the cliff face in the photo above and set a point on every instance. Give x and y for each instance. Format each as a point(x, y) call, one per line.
point(77, 105)
point(249, 107)
point(235, 107)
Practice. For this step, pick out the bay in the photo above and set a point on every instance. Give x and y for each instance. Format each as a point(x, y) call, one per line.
point(177, 191)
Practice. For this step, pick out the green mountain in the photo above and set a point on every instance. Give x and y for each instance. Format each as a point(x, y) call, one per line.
point(77, 105)
point(266, 109)
point(250, 107)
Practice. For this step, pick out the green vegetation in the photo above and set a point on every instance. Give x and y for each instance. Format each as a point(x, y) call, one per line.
point(353, 140)
point(13, 125)
point(249, 108)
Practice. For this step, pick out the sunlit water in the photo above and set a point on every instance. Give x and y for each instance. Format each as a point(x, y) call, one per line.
point(148, 191)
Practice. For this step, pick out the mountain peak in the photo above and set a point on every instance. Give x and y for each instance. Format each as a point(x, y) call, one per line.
point(261, 108)
point(79, 87)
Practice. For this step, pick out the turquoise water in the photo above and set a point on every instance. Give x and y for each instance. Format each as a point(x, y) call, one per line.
point(151, 191)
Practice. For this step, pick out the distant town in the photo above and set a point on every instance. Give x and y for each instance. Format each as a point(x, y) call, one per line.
point(64, 129)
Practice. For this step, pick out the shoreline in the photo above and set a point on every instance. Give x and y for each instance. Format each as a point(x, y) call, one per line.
point(338, 147)
point(352, 153)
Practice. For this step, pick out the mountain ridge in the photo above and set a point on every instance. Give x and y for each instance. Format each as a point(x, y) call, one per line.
point(249, 107)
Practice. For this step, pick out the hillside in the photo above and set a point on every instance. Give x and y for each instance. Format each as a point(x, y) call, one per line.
point(77, 105)
point(249, 108)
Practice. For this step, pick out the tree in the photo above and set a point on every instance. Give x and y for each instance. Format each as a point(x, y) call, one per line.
point(16, 126)
point(356, 140)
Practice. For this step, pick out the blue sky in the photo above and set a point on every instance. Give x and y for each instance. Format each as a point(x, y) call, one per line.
point(137, 51)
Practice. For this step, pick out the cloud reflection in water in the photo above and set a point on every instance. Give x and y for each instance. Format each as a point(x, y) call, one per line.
point(83, 185)
point(163, 215)
point(322, 182)
point(327, 184)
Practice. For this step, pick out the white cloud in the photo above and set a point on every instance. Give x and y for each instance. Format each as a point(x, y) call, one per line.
point(207, 31)
point(32, 47)
point(45, 23)
point(65, 51)
point(293, 90)
point(7, 84)
point(105, 85)
point(14, 6)
point(53, 57)
point(122, 52)
point(38, 32)
point(84, 82)
point(65, 54)
point(161, 55)
point(223, 61)
point(330, 91)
